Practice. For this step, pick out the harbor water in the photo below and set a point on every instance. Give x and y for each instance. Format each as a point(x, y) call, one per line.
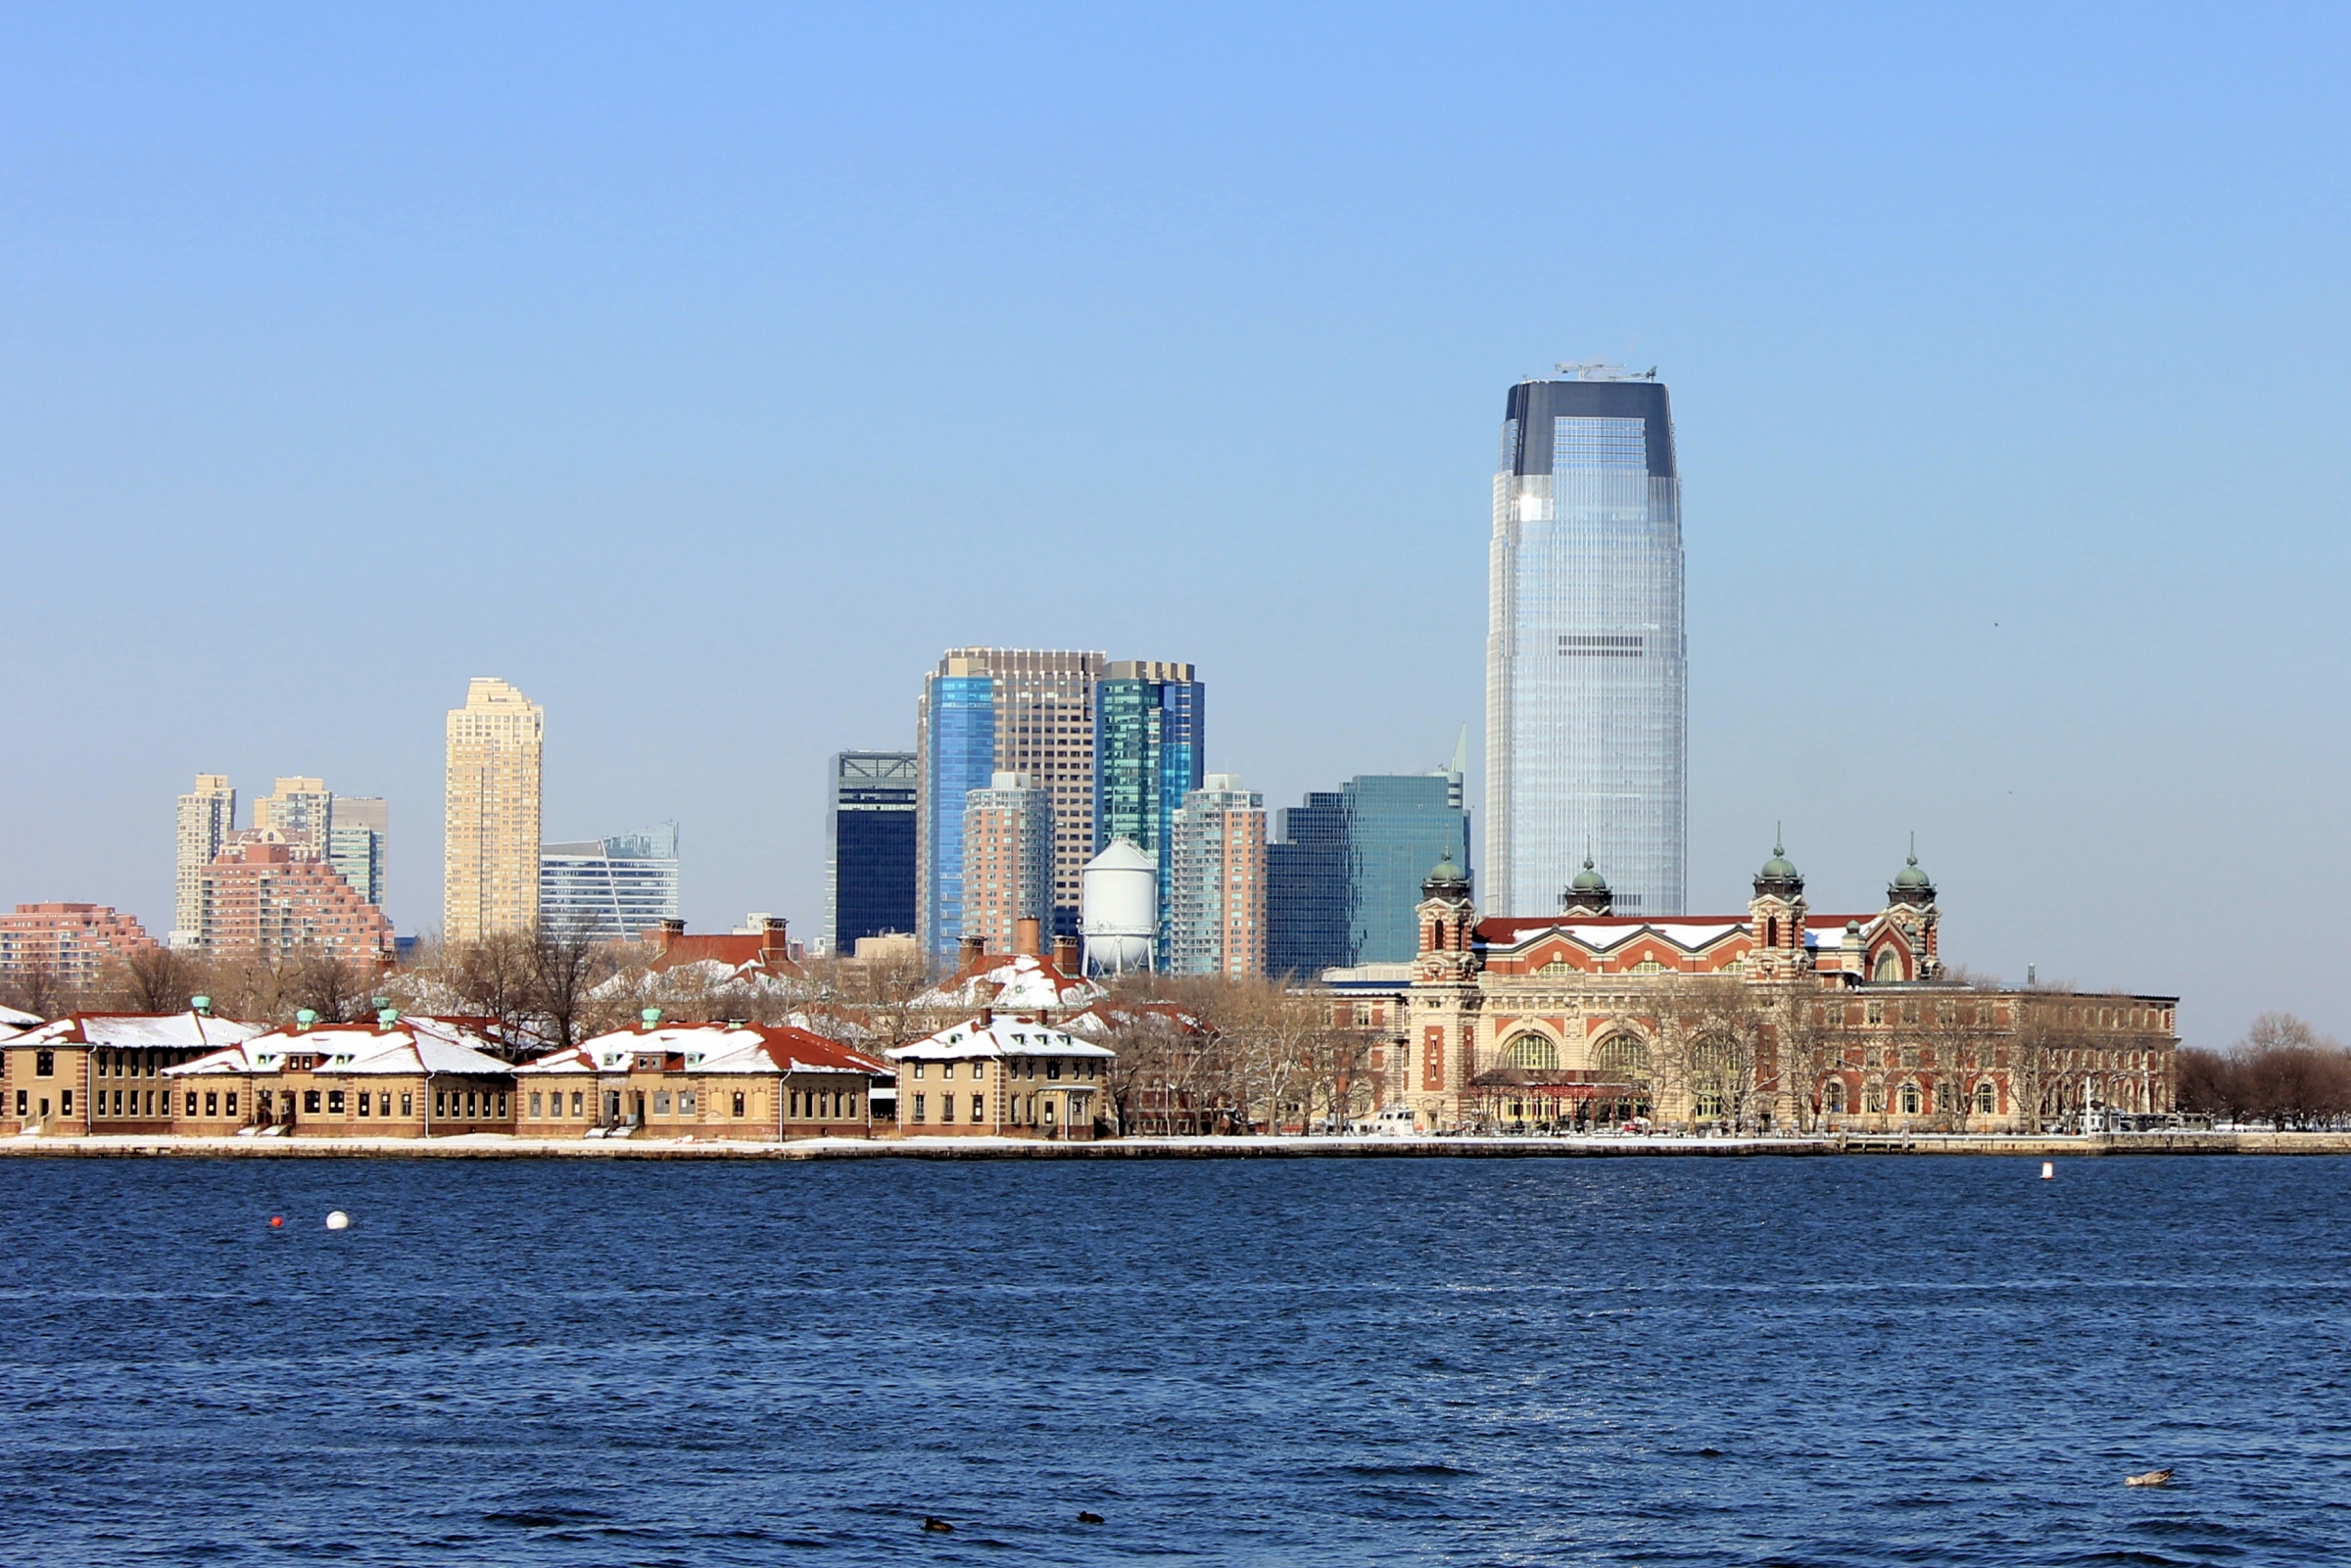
point(1330, 1361)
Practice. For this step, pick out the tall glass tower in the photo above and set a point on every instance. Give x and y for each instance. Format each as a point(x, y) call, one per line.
point(1150, 752)
point(1587, 679)
point(869, 846)
point(987, 711)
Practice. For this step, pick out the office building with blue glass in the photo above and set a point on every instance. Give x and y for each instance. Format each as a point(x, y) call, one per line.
point(869, 846)
point(609, 889)
point(985, 711)
point(1150, 751)
point(1344, 877)
point(1587, 682)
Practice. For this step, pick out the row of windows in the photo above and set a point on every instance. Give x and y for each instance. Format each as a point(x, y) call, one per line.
point(1018, 1066)
point(133, 1064)
point(1027, 1110)
point(803, 1104)
point(469, 1105)
point(1909, 1098)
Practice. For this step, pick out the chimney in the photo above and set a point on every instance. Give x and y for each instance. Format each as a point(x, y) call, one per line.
point(972, 955)
point(661, 936)
point(775, 943)
point(1065, 955)
point(1028, 937)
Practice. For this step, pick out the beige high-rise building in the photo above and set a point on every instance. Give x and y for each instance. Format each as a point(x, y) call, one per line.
point(490, 877)
point(1007, 860)
point(299, 808)
point(207, 815)
point(1217, 903)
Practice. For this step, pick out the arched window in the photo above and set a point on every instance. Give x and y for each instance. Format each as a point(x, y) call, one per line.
point(1890, 968)
point(1624, 1058)
point(1909, 1099)
point(1771, 931)
point(1832, 1099)
point(1987, 1099)
point(1873, 1098)
point(1534, 1052)
point(1711, 1071)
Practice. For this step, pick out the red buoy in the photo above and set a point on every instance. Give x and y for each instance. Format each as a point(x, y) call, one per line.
point(277, 1220)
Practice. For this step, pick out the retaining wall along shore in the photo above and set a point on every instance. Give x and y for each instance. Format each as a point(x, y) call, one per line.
point(499, 1146)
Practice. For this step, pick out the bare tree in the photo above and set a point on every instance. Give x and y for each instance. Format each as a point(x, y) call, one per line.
point(2291, 1076)
point(158, 979)
point(35, 986)
point(1712, 1031)
point(2041, 1054)
point(496, 977)
point(1813, 1038)
point(1954, 1034)
point(873, 999)
point(566, 967)
point(334, 987)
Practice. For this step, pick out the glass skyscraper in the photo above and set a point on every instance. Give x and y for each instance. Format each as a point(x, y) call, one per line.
point(869, 846)
point(609, 889)
point(356, 836)
point(1587, 682)
point(1150, 751)
point(1342, 885)
point(987, 711)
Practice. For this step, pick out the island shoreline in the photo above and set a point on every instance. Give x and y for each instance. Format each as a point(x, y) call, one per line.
point(492, 1146)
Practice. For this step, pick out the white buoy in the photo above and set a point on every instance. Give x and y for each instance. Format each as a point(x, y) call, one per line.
point(2048, 1171)
point(339, 1220)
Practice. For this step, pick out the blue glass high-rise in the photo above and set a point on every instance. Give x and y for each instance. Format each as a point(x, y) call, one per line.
point(1343, 883)
point(959, 755)
point(1150, 751)
point(1587, 678)
point(869, 846)
point(987, 711)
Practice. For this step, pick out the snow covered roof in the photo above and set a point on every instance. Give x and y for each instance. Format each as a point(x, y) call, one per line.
point(136, 1032)
point(1022, 981)
point(709, 974)
point(17, 1019)
point(1601, 934)
point(997, 1036)
point(409, 1046)
point(766, 1048)
point(1102, 1018)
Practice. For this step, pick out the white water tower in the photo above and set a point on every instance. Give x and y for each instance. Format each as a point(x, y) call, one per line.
point(1120, 913)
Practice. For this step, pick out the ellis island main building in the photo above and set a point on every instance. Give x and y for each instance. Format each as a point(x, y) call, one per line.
point(1784, 1017)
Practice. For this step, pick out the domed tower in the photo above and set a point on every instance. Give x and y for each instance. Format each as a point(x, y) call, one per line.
point(1447, 918)
point(1910, 908)
point(1587, 895)
point(1776, 916)
point(1435, 1061)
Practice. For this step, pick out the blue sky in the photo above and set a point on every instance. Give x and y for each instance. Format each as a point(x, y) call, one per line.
point(705, 370)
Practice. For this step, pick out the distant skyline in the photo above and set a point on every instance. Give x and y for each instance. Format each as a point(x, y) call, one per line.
point(705, 374)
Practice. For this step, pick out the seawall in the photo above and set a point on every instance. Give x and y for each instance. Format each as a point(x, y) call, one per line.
point(492, 1146)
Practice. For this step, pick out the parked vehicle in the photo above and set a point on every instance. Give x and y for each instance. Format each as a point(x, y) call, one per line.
point(1396, 1121)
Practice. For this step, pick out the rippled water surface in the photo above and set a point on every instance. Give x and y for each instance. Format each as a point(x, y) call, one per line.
point(1657, 1361)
